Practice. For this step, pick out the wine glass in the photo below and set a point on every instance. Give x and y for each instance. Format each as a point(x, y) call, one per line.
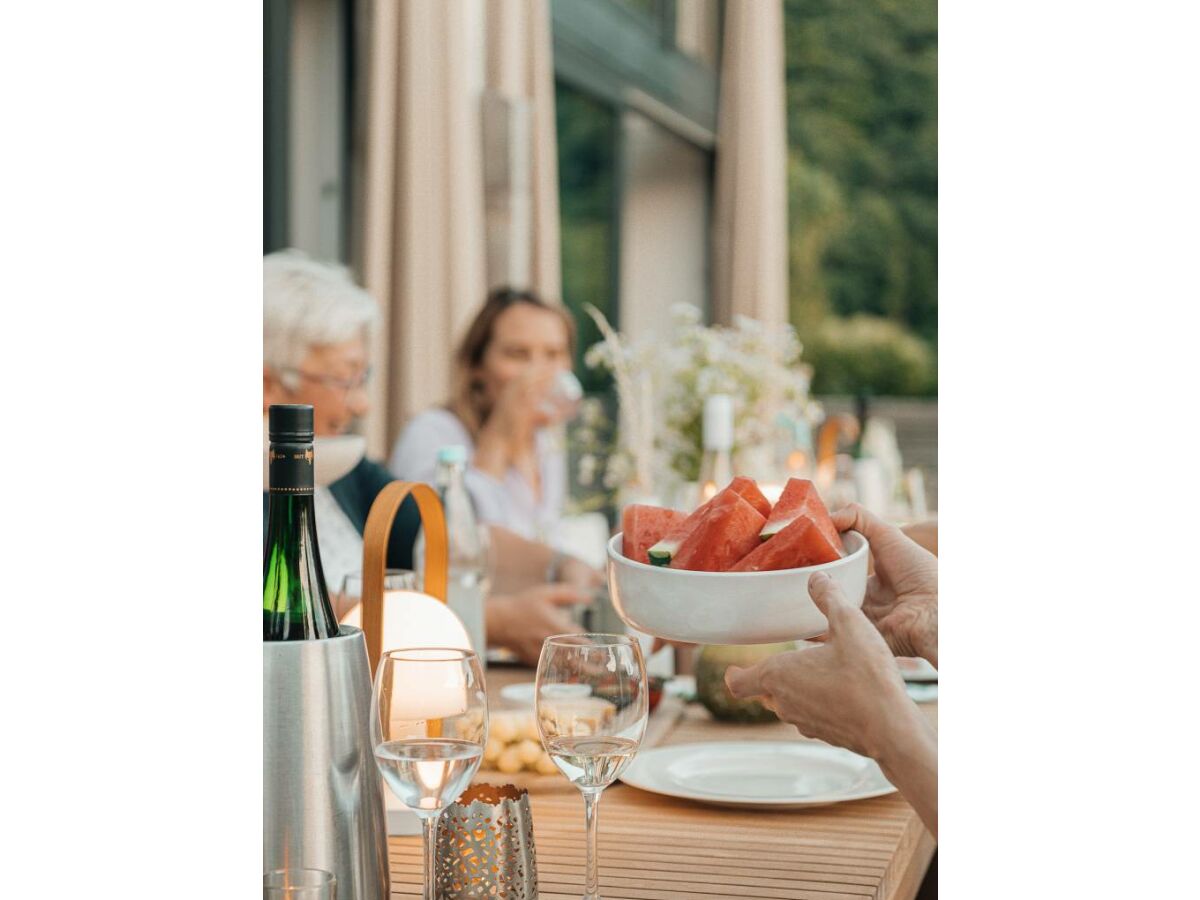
point(428, 726)
point(393, 580)
point(299, 884)
point(564, 397)
point(591, 738)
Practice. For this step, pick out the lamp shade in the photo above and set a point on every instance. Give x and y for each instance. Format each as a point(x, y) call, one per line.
point(413, 619)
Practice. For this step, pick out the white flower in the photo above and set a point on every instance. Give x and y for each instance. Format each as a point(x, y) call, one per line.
point(591, 412)
point(587, 470)
point(685, 314)
point(618, 470)
point(602, 355)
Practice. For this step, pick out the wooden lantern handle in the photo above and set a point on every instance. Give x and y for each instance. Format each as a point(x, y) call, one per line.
point(375, 544)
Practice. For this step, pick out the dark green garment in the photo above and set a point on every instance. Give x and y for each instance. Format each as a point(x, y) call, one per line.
point(355, 493)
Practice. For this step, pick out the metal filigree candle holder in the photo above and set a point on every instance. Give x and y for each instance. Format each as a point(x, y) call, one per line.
point(485, 845)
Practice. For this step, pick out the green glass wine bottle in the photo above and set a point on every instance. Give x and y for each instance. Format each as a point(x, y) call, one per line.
point(295, 602)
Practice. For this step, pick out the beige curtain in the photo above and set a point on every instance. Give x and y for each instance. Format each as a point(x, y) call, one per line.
point(750, 219)
point(423, 234)
point(520, 74)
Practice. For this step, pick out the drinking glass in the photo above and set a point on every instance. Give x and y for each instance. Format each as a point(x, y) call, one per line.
point(299, 884)
point(429, 725)
point(563, 399)
point(393, 580)
point(593, 737)
point(348, 601)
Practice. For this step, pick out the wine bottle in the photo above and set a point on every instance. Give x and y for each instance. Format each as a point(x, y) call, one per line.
point(467, 545)
point(295, 602)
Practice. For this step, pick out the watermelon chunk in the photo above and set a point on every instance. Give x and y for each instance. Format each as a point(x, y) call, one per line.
point(748, 488)
point(727, 532)
point(662, 552)
point(644, 526)
point(802, 543)
point(801, 500)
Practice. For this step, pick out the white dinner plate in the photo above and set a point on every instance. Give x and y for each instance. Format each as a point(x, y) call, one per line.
point(764, 774)
point(915, 669)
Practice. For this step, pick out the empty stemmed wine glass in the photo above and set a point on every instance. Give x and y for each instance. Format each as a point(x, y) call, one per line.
point(350, 595)
point(592, 734)
point(429, 725)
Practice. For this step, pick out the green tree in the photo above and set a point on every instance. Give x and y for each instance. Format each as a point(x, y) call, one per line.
point(862, 132)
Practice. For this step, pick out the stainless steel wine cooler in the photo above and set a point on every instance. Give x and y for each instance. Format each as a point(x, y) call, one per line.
point(322, 793)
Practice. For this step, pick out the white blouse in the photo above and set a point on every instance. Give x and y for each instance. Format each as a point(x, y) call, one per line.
point(341, 544)
point(511, 502)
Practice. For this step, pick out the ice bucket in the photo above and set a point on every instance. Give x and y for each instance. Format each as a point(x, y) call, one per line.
point(322, 793)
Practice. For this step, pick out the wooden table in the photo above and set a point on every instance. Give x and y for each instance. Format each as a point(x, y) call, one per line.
point(654, 847)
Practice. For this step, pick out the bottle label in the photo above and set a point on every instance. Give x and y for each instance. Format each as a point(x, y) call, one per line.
point(291, 468)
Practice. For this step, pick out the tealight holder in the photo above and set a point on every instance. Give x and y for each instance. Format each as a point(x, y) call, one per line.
point(485, 845)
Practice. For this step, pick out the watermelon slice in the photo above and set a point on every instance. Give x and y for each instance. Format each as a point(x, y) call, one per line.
point(662, 552)
point(801, 500)
point(644, 526)
point(802, 543)
point(728, 531)
point(749, 490)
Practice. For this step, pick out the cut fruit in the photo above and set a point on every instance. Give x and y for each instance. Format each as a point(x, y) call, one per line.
point(727, 532)
point(748, 488)
point(801, 500)
point(662, 552)
point(802, 543)
point(644, 526)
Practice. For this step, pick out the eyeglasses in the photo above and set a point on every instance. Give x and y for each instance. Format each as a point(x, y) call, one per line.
point(331, 381)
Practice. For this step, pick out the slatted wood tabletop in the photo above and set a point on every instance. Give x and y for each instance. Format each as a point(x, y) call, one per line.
point(653, 847)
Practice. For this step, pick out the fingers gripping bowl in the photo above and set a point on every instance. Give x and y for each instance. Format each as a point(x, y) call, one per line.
point(730, 607)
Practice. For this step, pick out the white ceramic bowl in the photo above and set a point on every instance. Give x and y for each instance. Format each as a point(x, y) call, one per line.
point(729, 607)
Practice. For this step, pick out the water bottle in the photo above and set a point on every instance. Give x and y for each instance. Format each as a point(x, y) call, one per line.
point(467, 544)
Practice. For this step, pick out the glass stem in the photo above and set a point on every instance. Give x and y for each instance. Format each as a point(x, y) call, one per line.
point(429, 826)
point(591, 800)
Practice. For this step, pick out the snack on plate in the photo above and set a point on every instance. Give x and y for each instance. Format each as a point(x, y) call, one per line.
point(736, 531)
point(514, 745)
point(576, 715)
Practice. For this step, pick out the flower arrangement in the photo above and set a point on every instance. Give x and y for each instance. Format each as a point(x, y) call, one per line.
point(661, 389)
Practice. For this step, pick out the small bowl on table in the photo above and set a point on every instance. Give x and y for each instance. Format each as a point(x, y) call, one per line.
point(730, 607)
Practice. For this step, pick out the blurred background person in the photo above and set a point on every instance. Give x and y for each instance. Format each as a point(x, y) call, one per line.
point(506, 369)
point(316, 327)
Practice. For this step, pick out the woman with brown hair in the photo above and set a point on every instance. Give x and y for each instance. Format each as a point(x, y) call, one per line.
point(505, 369)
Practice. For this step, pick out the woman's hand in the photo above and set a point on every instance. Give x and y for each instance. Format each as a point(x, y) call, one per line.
point(523, 620)
point(578, 574)
point(902, 594)
point(506, 439)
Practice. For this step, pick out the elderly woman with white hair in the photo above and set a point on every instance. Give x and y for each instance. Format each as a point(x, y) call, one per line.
point(316, 328)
